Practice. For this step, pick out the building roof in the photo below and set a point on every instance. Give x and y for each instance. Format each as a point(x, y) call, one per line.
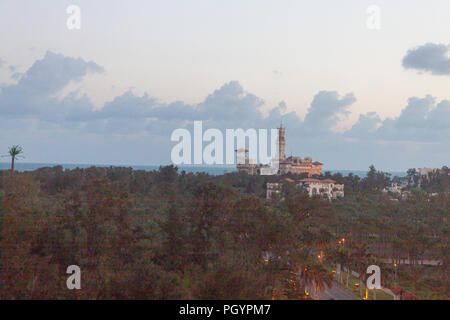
point(312, 180)
point(317, 163)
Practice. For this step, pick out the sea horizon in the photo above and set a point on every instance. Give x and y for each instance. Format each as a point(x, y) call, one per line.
point(209, 169)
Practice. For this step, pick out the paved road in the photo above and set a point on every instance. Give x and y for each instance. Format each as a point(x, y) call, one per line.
point(336, 293)
point(386, 290)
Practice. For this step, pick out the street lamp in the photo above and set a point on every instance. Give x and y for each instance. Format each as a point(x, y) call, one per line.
point(395, 272)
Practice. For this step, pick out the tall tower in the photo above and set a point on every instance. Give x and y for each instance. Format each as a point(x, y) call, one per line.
point(281, 142)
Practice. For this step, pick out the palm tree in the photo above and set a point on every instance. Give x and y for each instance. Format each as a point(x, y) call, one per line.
point(305, 278)
point(341, 259)
point(348, 258)
point(301, 267)
point(15, 153)
point(316, 275)
point(321, 278)
point(362, 259)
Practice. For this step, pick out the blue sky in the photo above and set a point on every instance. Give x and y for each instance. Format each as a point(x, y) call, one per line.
point(113, 91)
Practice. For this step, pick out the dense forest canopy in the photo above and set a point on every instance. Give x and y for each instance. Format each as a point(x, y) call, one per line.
point(175, 235)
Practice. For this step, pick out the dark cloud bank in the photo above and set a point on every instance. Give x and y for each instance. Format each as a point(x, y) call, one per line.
point(136, 129)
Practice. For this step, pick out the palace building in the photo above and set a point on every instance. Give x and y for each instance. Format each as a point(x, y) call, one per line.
point(282, 165)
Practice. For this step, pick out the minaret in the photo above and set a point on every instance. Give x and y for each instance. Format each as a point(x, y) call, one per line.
point(281, 142)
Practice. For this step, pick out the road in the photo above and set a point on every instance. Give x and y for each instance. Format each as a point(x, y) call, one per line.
point(336, 293)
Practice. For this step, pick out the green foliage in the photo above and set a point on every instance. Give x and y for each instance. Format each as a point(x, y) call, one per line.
point(175, 235)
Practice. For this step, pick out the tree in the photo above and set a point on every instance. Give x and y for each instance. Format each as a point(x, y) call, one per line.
point(412, 176)
point(305, 277)
point(339, 256)
point(315, 275)
point(15, 153)
point(362, 257)
point(321, 278)
point(348, 261)
point(376, 180)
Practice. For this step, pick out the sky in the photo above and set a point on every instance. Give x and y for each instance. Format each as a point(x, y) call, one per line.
point(353, 86)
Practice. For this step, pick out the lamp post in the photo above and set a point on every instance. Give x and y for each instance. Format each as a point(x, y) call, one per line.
point(395, 272)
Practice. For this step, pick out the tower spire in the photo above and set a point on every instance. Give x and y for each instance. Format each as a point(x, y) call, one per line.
point(281, 142)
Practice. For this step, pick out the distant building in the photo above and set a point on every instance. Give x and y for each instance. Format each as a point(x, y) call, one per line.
point(433, 194)
point(393, 188)
point(427, 171)
point(424, 174)
point(314, 187)
point(326, 187)
point(282, 165)
point(271, 189)
point(405, 195)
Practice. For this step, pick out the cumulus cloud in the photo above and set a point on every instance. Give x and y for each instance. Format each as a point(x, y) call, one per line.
point(439, 118)
point(55, 71)
point(326, 110)
point(231, 103)
point(30, 110)
point(230, 106)
point(33, 94)
point(366, 126)
point(432, 58)
point(422, 120)
point(126, 106)
point(415, 114)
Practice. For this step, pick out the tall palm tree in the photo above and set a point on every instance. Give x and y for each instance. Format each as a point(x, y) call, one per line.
point(301, 261)
point(362, 257)
point(341, 259)
point(305, 278)
point(314, 275)
point(15, 153)
point(321, 278)
point(348, 256)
